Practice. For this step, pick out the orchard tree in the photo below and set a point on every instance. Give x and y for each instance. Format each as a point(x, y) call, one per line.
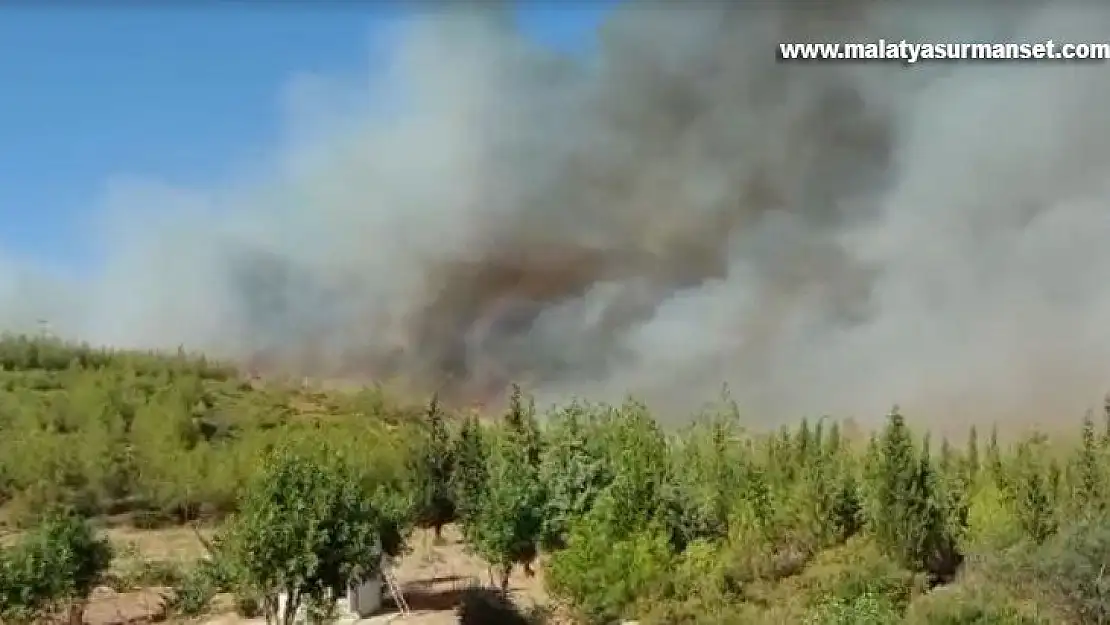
point(507, 524)
point(307, 526)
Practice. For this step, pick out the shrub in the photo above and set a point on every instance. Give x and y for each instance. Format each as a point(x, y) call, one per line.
point(867, 609)
point(1067, 572)
point(52, 570)
point(602, 573)
point(968, 603)
point(194, 592)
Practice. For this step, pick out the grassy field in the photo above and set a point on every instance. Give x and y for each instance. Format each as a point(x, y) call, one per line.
point(595, 512)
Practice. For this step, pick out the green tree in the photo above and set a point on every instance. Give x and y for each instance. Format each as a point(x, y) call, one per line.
point(468, 481)
point(573, 474)
point(971, 456)
point(604, 570)
point(508, 522)
point(907, 516)
point(639, 460)
point(994, 458)
point(432, 467)
point(1088, 490)
point(306, 527)
point(1104, 440)
point(1032, 489)
point(522, 426)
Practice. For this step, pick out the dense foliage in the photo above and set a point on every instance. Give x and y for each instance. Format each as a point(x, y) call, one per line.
point(711, 524)
point(51, 572)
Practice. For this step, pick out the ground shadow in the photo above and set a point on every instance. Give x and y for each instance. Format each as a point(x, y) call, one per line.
point(453, 580)
point(473, 603)
point(488, 606)
point(435, 600)
point(447, 592)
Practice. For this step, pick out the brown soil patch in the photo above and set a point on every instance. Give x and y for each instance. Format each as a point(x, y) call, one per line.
point(176, 544)
point(107, 607)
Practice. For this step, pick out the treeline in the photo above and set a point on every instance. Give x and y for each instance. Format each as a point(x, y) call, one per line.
point(716, 525)
point(708, 525)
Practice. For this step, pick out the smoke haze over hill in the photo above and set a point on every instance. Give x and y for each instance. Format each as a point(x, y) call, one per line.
point(679, 212)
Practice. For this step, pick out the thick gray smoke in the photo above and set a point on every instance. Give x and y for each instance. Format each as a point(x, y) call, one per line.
point(682, 211)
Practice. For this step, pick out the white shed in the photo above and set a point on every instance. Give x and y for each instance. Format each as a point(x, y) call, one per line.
point(364, 597)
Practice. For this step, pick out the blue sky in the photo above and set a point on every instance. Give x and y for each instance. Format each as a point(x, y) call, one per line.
point(182, 95)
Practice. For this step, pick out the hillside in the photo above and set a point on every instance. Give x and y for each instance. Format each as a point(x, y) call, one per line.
point(596, 511)
point(161, 437)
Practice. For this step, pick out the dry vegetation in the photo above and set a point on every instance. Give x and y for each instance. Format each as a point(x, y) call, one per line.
point(594, 511)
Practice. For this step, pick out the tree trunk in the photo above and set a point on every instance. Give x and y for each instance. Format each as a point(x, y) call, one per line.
point(506, 571)
point(76, 613)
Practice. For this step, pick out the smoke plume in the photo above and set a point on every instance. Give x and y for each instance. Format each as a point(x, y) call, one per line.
point(679, 211)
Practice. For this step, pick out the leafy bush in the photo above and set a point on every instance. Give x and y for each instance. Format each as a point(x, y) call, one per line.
point(968, 603)
point(52, 570)
point(866, 609)
point(193, 593)
point(1067, 572)
point(144, 573)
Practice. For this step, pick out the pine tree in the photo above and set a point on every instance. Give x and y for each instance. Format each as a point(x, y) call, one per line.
point(833, 440)
point(432, 469)
point(818, 439)
point(945, 462)
point(994, 458)
point(908, 516)
point(971, 456)
point(1088, 490)
point(1105, 441)
point(1031, 491)
point(471, 474)
point(802, 444)
point(522, 426)
point(573, 476)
